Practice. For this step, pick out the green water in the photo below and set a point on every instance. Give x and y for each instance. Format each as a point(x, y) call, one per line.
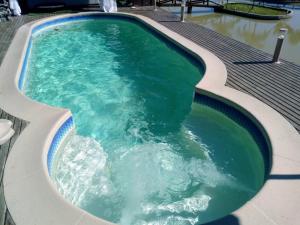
point(144, 153)
point(261, 34)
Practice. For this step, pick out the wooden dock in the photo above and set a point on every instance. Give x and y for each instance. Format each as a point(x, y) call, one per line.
point(249, 70)
point(190, 4)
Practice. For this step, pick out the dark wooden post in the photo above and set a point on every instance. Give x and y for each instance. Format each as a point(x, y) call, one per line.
point(189, 7)
point(182, 10)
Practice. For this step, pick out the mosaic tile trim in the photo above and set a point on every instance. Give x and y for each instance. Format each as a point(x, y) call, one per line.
point(21, 80)
point(57, 140)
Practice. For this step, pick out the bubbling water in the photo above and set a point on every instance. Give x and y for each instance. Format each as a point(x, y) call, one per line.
point(139, 183)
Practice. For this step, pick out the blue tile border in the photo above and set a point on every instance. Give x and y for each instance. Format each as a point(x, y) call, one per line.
point(22, 75)
point(57, 140)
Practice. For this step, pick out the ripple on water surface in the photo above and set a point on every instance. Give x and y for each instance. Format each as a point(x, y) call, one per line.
point(143, 152)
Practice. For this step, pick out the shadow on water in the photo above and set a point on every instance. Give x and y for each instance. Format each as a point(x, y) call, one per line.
point(284, 177)
point(227, 220)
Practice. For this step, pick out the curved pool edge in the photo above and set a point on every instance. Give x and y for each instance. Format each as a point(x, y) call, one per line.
point(30, 194)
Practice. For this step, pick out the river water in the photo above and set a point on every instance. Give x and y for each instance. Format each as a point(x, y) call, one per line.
point(261, 34)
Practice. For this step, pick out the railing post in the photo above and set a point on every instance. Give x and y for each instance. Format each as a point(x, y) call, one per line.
point(283, 32)
point(189, 7)
point(155, 7)
point(182, 10)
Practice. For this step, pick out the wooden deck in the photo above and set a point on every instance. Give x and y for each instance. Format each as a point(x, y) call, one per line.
point(249, 70)
point(18, 126)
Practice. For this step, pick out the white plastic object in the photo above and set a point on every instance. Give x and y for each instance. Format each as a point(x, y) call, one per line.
point(14, 6)
point(109, 5)
point(6, 132)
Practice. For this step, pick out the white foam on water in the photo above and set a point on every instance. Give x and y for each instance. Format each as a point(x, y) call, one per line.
point(82, 166)
point(170, 220)
point(194, 138)
point(146, 179)
point(192, 205)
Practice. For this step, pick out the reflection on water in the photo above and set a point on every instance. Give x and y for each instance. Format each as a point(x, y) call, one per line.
point(261, 34)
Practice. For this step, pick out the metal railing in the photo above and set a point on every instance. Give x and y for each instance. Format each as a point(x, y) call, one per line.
point(4, 10)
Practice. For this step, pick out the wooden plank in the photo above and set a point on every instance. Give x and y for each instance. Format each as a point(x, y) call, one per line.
point(4, 151)
point(2, 205)
point(8, 219)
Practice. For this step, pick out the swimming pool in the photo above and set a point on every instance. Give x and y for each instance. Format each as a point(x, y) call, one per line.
point(29, 191)
point(144, 152)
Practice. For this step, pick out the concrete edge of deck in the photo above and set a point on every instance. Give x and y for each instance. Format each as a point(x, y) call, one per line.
point(31, 195)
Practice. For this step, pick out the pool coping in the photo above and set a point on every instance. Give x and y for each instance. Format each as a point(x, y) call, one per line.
point(27, 185)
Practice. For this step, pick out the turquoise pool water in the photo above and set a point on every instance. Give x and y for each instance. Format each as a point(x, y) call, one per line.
point(144, 152)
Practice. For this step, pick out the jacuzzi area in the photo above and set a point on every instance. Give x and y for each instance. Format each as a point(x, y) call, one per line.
point(130, 123)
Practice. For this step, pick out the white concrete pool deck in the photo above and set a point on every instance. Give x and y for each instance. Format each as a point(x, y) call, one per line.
point(31, 196)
